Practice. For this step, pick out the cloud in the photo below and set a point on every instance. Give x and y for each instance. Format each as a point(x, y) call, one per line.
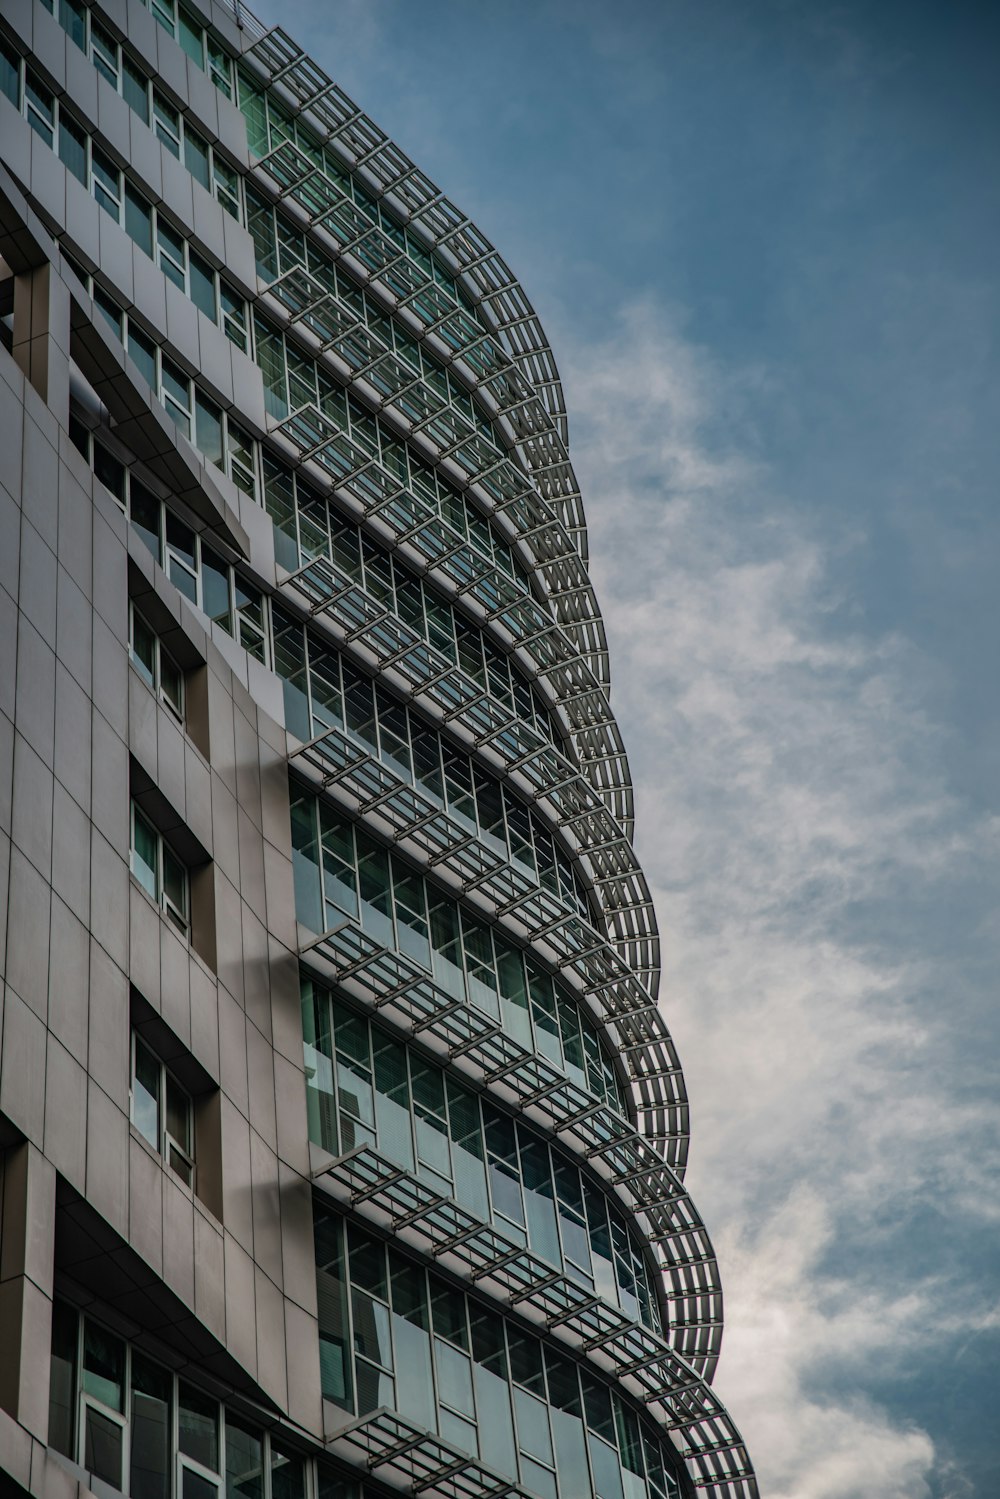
point(819, 887)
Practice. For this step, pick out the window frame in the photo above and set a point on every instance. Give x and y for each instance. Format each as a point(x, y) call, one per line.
point(179, 918)
point(167, 1143)
point(160, 653)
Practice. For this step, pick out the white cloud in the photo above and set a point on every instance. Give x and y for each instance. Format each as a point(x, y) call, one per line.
point(799, 834)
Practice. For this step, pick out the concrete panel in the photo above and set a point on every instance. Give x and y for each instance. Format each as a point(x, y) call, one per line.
point(107, 1159)
point(204, 1021)
point(38, 575)
point(71, 853)
point(145, 1208)
point(241, 1321)
point(72, 740)
point(290, 1113)
point(108, 1038)
point(237, 1209)
point(178, 1238)
point(110, 682)
point(305, 1403)
point(28, 934)
point(175, 982)
point(31, 814)
point(298, 1259)
point(209, 1273)
point(36, 690)
point(144, 945)
point(266, 1207)
point(69, 979)
point(65, 1107)
point(257, 990)
point(75, 540)
point(109, 898)
point(270, 1338)
point(73, 641)
point(23, 1064)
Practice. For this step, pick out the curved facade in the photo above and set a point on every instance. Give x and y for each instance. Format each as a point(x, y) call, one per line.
point(342, 1137)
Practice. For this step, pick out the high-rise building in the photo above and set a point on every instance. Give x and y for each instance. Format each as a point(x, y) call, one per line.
point(341, 1136)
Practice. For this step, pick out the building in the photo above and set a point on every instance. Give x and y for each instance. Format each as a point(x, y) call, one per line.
point(342, 1139)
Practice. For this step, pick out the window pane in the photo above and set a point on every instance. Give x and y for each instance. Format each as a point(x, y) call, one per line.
point(146, 1095)
point(103, 1365)
point(72, 147)
point(142, 352)
point(166, 124)
point(150, 1444)
point(176, 395)
point(144, 515)
point(203, 286)
point(190, 37)
point(135, 90)
point(72, 19)
point(10, 73)
point(288, 1473)
point(110, 471)
point(144, 845)
point(102, 1454)
point(171, 683)
point(196, 157)
point(178, 1114)
point(170, 252)
point(41, 108)
point(198, 1428)
point(244, 1467)
point(208, 428)
point(175, 887)
point(215, 589)
point(62, 1379)
point(139, 222)
point(197, 1487)
point(107, 183)
point(143, 646)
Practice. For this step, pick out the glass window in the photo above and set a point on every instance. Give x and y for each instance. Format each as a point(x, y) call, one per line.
point(197, 158)
point(73, 20)
point(244, 1462)
point(62, 1379)
point(40, 106)
point(159, 871)
point(198, 1427)
point(146, 1094)
point(170, 253)
point(73, 146)
point(103, 1445)
point(10, 73)
point(145, 857)
point(151, 1435)
point(190, 36)
point(142, 351)
point(106, 183)
point(166, 124)
point(139, 221)
point(145, 515)
point(176, 391)
point(135, 89)
point(103, 1366)
point(104, 53)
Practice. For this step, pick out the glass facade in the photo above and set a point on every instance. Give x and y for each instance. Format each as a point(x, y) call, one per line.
point(370, 753)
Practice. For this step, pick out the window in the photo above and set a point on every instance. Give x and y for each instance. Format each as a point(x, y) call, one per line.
point(162, 1111)
point(154, 663)
point(166, 124)
point(159, 871)
point(106, 184)
point(150, 1433)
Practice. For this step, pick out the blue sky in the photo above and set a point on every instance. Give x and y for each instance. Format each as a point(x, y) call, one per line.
point(763, 242)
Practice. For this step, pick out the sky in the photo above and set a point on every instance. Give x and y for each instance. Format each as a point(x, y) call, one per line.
point(763, 242)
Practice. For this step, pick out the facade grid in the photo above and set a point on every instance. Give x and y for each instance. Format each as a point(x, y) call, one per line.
point(342, 1138)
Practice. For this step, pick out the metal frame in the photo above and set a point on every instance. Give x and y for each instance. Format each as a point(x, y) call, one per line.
point(502, 355)
point(649, 1365)
point(418, 1459)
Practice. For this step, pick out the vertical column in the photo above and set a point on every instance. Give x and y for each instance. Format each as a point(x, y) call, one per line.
point(41, 335)
point(27, 1244)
